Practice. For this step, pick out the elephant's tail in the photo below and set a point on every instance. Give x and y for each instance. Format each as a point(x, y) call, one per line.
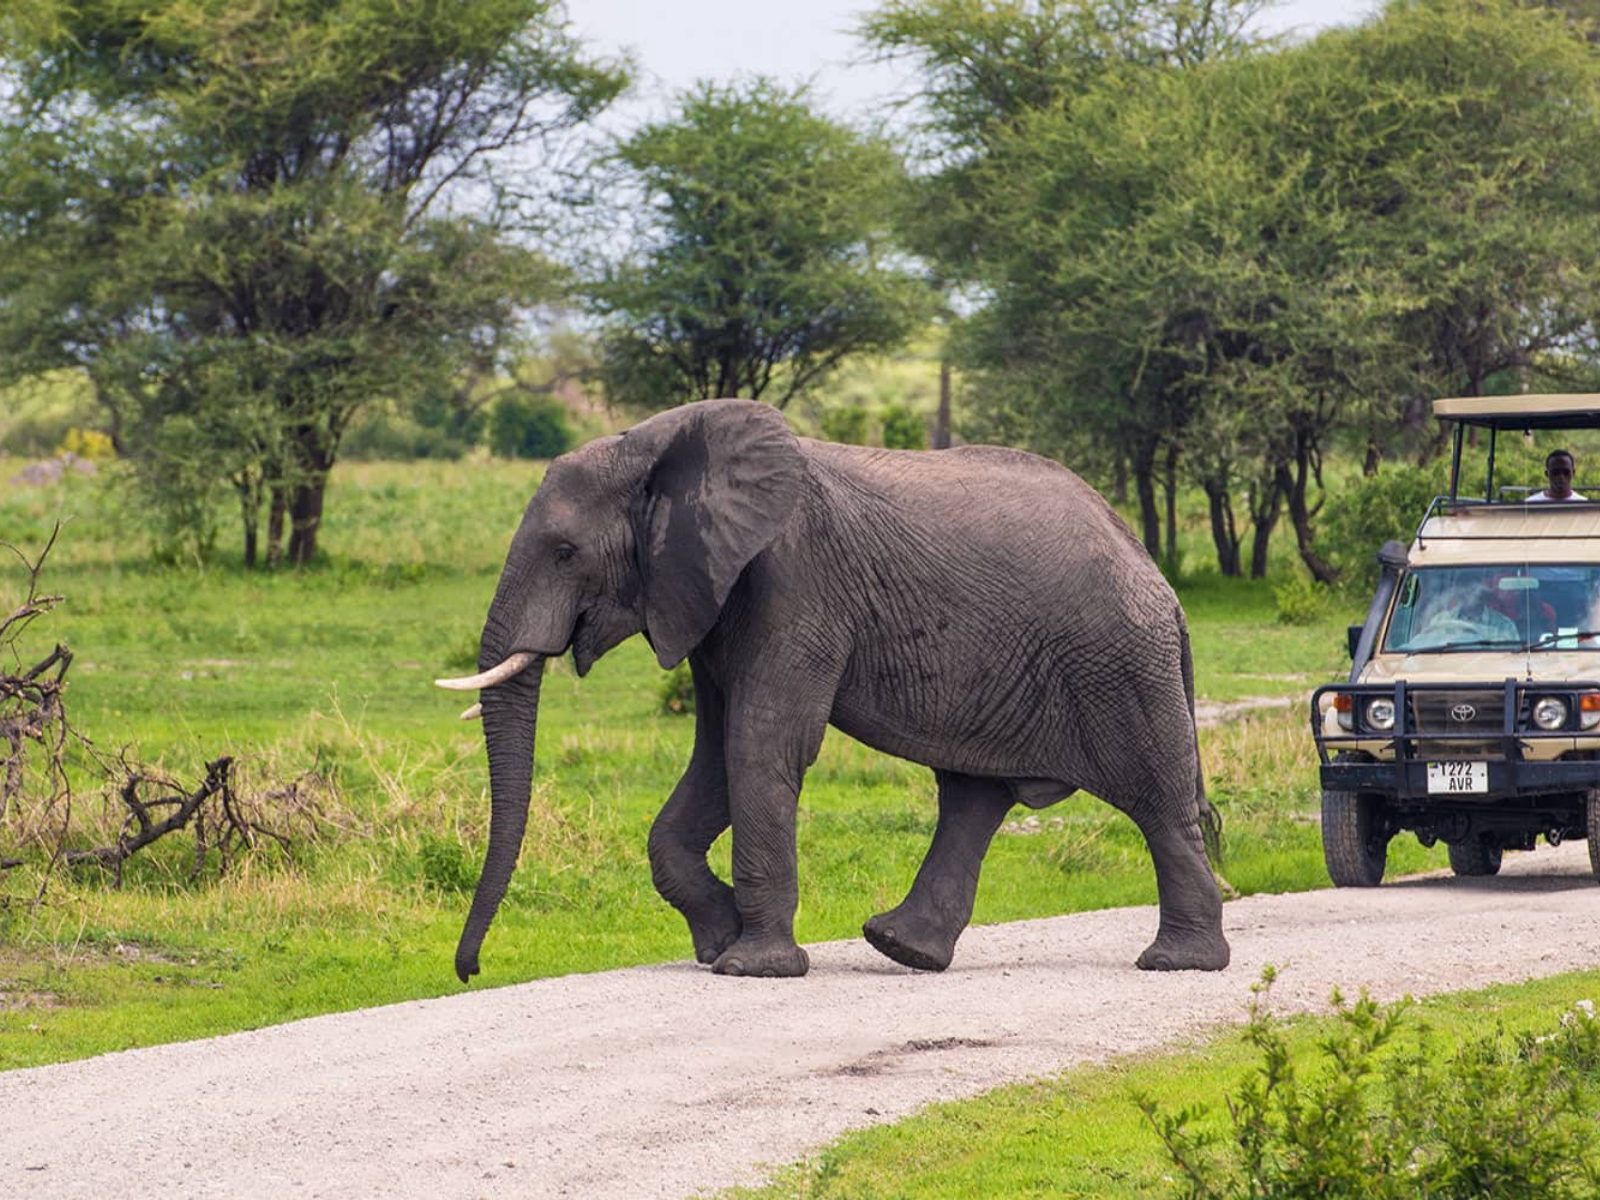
point(1210, 821)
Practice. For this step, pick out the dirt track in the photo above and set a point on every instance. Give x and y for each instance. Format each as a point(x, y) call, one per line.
point(661, 1081)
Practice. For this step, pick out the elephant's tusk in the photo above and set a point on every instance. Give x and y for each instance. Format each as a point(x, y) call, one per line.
point(474, 713)
point(514, 665)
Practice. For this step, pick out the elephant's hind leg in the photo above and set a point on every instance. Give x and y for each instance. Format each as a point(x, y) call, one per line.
point(921, 931)
point(1189, 937)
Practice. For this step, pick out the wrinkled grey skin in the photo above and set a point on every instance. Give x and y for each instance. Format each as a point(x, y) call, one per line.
point(978, 610)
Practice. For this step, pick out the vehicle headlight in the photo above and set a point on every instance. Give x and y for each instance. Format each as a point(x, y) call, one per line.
point(1380, 713)
point(1550, 712)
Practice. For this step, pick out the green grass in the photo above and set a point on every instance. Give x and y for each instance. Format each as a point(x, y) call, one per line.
point(1081, 1134)
point(329, 670)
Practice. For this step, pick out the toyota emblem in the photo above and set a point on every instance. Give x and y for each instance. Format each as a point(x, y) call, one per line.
point(1463, 712)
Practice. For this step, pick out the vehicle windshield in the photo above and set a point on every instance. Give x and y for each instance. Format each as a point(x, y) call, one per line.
point(1525, 607)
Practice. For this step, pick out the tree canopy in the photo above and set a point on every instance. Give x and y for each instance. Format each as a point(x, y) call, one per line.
point(1223, 259)
point(764, 255)
point(245, 222)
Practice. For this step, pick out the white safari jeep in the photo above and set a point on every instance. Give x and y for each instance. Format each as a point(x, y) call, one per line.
point(1472, 714)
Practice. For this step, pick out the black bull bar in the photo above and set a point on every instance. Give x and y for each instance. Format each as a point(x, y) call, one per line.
point(1502, 747)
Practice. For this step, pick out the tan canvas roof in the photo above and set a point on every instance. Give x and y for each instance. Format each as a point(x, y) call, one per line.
point(1579, 410)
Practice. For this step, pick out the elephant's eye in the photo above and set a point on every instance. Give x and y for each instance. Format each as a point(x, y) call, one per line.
point(565, 552)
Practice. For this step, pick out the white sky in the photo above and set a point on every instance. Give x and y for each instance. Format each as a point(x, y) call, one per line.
point(677, 42)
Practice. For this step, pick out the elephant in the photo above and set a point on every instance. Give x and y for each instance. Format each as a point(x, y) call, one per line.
point(979, 610)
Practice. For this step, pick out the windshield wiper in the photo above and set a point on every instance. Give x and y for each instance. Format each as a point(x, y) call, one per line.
point(1481, 644)
point(1548, 641)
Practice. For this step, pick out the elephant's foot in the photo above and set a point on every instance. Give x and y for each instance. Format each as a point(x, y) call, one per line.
point(768, 958)
point(1191, 952)
point(911, 940)
point(715, 934)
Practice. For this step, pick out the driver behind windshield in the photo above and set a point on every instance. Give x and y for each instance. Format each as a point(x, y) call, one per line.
point(1465, 611)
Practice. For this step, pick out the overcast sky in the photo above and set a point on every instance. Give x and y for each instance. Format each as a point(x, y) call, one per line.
point(677, 43)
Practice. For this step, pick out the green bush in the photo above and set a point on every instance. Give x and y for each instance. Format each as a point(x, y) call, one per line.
point(393, 437)
point(1392, 1114)
point(1389, 505)
point(1300, 601)
point(904, 428)
point(1372, 510)
point(530, 428)
point(677, 690)
point(845, 423)
point(445, 865)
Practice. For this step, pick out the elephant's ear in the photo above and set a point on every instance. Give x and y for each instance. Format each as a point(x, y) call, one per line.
point(721, 478)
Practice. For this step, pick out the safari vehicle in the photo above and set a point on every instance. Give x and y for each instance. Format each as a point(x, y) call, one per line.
point(1472, 712)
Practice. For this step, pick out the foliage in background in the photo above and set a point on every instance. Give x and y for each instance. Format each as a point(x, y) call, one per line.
point(766, 252)
point(904, 429)
point(243, 227)
point(530, 427)
point(1213, 258)
point(847, 423)
point(1391, 1113)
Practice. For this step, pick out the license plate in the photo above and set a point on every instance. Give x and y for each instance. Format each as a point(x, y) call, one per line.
point(1453, 778)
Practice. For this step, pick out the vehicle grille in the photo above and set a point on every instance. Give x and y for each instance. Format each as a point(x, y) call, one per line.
point(1441, 712)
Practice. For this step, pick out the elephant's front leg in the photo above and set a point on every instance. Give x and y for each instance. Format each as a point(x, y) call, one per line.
point(694, 816)
point(921, 931)
point(768, 752)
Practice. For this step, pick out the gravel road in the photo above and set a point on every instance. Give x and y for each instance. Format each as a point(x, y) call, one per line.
point(666, 1080)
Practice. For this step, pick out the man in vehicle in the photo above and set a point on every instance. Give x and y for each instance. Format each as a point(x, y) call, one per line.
point(1558, 468)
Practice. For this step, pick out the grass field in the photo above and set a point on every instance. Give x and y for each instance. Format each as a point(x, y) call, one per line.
point(329, 671)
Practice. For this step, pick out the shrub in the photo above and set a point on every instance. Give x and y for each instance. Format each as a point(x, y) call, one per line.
point(845, 423)
point(677, 690)
point(904, 428)
point(1373, 510)
point(1300, 601)
point(1392, 1114)
point(530, 428)
point(86, 443)
point(445, 865)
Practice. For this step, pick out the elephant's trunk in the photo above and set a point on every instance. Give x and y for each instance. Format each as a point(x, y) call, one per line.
point(510, 720)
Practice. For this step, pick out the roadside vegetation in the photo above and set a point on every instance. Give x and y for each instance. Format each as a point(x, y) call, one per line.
point(1487, 1093)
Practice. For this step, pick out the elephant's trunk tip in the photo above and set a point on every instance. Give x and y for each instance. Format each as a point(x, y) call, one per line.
point(466, 964)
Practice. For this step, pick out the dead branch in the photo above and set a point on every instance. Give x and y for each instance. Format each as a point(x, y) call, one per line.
point(35, 735)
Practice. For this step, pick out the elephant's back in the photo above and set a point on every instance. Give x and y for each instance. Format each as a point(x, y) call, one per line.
point(1032, 508)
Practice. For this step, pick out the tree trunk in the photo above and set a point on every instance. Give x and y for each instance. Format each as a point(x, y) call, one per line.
point(941, 425)
point(1144, 482)
point(1264, 518)
point(1293, 486)
point(1224, 534)
point(250, 511)
point(305, 513)
point(275, 526)
point(1171, 485)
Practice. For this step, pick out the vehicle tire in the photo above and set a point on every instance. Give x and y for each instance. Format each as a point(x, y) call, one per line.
point(1475, 856)
point(1353, 843)
point(1594, 831)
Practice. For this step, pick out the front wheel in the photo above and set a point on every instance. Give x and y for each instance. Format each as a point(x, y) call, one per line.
point(1594, 831)
point(1355, 841)
point(1476, 856)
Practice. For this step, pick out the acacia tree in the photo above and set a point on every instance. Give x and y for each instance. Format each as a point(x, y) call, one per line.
point(1240, 259)
point(995, 75)
point(763, 256)
point(243, 224)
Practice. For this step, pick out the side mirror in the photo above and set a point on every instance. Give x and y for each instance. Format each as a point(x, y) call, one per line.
point(1353, 636)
